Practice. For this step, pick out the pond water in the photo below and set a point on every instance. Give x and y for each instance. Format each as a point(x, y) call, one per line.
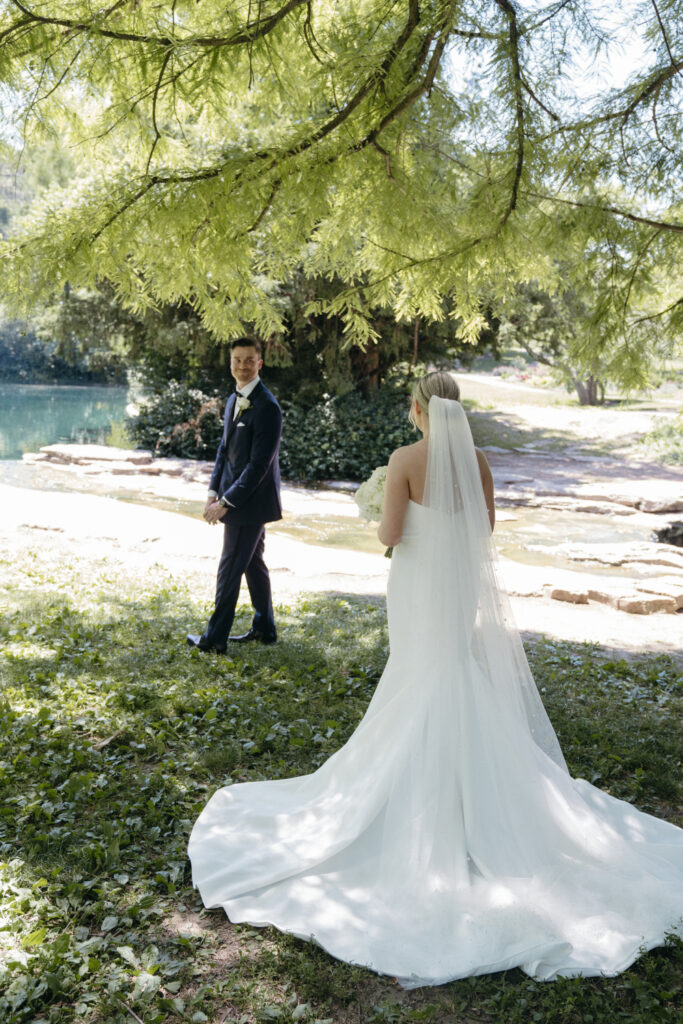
point(33, 415)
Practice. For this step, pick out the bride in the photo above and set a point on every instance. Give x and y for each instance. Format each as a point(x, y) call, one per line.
point(446, 838)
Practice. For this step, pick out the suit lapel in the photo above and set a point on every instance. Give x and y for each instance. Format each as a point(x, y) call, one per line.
point(230, 417)
point(230, 410)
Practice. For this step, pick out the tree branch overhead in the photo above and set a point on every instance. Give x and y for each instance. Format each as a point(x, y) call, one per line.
point(294, 132)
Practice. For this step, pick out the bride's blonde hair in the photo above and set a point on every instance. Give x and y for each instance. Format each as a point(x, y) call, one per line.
point(439, 383)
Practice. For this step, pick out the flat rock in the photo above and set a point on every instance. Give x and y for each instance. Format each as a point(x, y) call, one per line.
point(83, 453)
point(648, 505)
point(571, 596)
point(643, 604)
point(666, 586)
point(582, 480)
point(627, 594)
point(624, 554)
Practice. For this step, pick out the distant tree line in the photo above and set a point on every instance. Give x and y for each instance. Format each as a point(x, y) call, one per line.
point(26, 358)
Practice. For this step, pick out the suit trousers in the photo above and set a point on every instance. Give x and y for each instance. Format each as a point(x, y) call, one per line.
point(242, 555)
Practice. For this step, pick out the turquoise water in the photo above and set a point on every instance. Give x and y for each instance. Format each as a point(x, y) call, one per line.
point(33, 415)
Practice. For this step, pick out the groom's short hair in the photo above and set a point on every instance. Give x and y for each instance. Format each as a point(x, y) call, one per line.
point(246, 343)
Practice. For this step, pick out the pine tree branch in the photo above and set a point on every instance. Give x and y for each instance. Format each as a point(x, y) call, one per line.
point(655, 122)
point(421, 88)
point(662, 225)
point(157, 133)
point(656, 316)
point(414, 261)
point(309, 34)
point(663, 31)
point(636, 267)
point(642, 97)
point(623, 113)
point(374, 78)
point(67, 69)
point(465, 34)
point(387, 161)
point(553, 14)
point(513, 31)
point(250, 32)
point(267, 205)
point(90, 27)
point(21, 23)
point(548, 111)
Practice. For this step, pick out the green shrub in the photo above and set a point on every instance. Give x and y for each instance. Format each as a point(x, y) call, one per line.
point(180, 421)
point(344, 437)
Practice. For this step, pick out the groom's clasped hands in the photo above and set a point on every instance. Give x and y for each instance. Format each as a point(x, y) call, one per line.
point(213, 511)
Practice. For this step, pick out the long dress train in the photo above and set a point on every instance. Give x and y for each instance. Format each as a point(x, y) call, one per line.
point(446, 838)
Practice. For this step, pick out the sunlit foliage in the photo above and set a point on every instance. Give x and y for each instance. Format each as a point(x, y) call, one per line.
point(416, 150)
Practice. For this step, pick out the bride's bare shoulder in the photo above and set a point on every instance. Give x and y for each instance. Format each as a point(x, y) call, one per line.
point(407, 453)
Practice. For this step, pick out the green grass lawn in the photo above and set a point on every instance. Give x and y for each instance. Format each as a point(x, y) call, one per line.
point(114, 734)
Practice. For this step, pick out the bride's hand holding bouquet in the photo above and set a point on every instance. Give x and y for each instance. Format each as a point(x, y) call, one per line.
point(370, 498)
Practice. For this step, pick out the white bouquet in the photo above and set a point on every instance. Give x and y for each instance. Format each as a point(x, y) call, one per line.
point(370, 495)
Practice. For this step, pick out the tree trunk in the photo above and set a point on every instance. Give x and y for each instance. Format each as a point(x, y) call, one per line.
point(590, 390)
point(416, 341)
point(365, 367)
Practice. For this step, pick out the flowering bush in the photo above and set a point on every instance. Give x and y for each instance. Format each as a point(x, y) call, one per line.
point(370, 495)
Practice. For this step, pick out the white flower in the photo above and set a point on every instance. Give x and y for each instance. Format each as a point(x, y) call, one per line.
point(242, 404)
point(370, 495)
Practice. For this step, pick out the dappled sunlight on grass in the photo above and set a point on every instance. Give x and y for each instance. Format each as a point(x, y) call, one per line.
point(506, 430)
point(115, 733)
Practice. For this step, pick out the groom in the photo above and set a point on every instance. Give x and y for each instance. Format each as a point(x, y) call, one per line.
point(244, 494)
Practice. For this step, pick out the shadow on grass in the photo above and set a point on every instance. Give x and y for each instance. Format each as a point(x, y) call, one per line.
point(505, 430)
point(120, 693)
point(118, 734)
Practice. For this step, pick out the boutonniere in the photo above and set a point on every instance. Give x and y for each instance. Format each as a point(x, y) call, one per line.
point(242, 404)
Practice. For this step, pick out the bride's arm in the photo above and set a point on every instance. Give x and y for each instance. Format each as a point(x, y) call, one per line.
point(396, 495)
point(487, 484)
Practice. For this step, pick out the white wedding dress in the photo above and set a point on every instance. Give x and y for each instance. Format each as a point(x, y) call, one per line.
point(446, 838)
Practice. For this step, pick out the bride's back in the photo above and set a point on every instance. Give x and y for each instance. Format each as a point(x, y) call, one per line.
point(414, 465)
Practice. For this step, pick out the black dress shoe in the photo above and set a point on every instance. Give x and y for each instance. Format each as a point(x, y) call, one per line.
point(200, 644)
point(253, 634)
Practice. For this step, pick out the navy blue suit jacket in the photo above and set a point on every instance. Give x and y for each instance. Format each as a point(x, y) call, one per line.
point(247, 472)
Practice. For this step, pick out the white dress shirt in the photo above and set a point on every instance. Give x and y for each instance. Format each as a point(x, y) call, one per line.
point(245, 392)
